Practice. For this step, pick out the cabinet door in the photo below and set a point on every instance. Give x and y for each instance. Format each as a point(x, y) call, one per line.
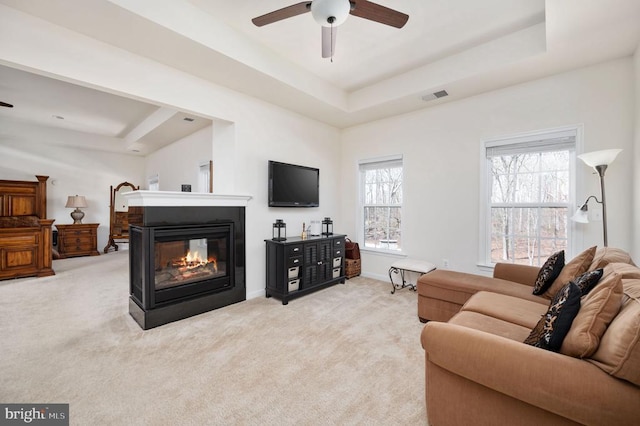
point(311, 260)
point(326, 258)
point(317, 263)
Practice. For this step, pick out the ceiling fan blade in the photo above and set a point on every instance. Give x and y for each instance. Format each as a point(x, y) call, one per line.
point(4, 104)
point(284, 13)
point(375, 12)
point(329, 35)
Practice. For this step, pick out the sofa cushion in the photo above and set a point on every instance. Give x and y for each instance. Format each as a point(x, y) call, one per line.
point(549, 272)
point(619, 351)
point(518, 273)
point(458, 287)
point(557, 321)
point(606, 255)
point(488, 324)
point(597, 309)
point(625, 270)
point(588, 280)
point(525, 313)
point(576, 267)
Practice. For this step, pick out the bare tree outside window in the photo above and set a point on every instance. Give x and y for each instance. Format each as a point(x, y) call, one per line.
point(529, 205)
point(382, 205)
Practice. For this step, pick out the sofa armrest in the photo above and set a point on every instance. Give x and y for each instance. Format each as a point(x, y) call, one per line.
point(557, 383)
point(523, 274)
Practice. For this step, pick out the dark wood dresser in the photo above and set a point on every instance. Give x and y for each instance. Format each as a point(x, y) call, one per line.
point(296, 267)
point(78, 240)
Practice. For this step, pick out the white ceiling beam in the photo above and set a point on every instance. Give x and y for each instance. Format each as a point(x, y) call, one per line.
point(146, 126)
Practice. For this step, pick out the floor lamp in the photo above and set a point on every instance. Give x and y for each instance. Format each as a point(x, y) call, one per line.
point(599, 160)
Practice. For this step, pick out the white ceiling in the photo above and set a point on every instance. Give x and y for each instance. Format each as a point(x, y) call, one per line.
point(463, 46)
point(367, 51)
point(117, 124)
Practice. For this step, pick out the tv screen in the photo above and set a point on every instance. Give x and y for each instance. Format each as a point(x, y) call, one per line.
point(293, 186)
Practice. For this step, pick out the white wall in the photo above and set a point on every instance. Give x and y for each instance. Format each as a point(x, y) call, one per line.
point(179, 162)
point(71, 171)
point(441, 147)
point(268, 133)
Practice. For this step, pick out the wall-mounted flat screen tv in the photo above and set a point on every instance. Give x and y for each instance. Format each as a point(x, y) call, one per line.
point(291, 185)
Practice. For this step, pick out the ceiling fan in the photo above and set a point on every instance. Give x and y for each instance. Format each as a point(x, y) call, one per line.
point(4, 104)
point(332, 13)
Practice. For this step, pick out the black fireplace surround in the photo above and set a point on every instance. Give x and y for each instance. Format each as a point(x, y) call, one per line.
point(184, 261)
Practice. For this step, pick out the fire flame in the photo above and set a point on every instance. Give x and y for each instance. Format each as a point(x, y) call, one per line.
point(192, 261)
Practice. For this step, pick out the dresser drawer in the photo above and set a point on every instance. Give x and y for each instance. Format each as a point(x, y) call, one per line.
point(294, 261)
point(294, 250)
point(79, 232)
point(78, 240)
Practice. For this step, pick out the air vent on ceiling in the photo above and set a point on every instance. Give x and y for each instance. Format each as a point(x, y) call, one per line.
point(435, 95)
point(188, 119)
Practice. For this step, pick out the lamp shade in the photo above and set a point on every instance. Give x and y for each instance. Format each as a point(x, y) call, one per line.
point(322, 10)
point(600, 158)
point(581, 215)
point(76, 201)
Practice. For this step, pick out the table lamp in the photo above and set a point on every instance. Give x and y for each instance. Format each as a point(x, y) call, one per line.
point(76, 202)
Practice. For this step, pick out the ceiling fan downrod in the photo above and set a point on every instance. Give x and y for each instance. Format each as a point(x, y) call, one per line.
point(331, 19)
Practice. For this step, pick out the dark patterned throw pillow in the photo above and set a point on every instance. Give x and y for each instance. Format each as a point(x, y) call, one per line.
point(549, 272)
point(536, 333)
point(588, 280)
point(555, 324)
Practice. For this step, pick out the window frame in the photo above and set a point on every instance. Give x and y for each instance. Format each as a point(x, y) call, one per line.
point(362, 166)
point(574, 238)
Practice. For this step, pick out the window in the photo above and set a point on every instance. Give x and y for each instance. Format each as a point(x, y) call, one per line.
point(205, 174)
point(153, 183)
point(381, 203)
point(529, 191)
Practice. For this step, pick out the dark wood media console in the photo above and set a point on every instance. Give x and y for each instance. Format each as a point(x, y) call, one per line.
point(296, 267)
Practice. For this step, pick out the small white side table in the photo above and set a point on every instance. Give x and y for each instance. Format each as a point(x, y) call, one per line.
point(411, 265)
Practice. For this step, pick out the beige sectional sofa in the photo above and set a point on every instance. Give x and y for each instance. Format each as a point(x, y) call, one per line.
point(479, 371)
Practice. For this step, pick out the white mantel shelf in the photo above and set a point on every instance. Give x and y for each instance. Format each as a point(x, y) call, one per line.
point(143, 198)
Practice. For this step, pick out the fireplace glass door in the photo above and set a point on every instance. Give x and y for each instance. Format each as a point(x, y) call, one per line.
point(188, 261)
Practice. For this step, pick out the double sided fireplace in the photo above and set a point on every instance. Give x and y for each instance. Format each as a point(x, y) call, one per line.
point(184, 261)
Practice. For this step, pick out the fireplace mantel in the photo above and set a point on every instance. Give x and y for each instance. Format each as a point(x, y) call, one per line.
point(143, 198)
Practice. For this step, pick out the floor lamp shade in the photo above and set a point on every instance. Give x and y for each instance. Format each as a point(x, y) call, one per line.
point(599, 160)
point(76, 202)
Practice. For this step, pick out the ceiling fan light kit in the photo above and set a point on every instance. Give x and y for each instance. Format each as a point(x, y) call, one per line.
point(332, 13)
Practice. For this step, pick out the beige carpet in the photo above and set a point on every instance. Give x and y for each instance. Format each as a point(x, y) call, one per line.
point(349, 354)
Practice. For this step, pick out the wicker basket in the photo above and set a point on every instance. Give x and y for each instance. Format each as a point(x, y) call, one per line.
point(352, 267)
